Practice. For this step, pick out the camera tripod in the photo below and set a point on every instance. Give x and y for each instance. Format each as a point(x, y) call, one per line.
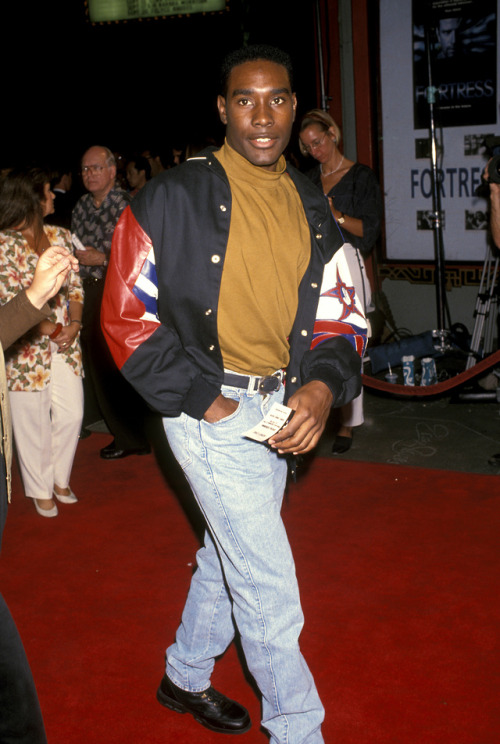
point(485, 312)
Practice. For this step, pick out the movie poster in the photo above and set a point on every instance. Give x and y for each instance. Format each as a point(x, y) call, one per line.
point(462, 151)
point(454, 48)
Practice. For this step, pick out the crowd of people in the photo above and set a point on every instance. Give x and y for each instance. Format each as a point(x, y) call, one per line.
point(76, 207)
point(88, 199)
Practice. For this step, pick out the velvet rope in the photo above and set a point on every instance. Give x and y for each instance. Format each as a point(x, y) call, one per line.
point(438, 387)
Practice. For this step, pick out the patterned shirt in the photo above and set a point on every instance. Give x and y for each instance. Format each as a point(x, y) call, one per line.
point(95, 225)
point(28, 360)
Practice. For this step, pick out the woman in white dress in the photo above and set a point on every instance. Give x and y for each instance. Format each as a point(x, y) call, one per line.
point(44, 368)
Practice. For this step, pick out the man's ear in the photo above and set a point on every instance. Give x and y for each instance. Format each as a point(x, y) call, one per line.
point(221, 105)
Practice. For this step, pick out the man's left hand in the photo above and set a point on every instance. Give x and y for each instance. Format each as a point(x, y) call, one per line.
point(311, 403)
point(90, 257)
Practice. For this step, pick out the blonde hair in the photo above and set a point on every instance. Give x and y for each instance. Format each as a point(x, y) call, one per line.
point(321, 119)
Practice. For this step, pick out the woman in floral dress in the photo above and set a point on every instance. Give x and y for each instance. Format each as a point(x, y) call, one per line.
point(44, 368)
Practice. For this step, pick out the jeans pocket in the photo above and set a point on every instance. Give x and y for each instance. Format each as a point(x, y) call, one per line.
point(232, 396)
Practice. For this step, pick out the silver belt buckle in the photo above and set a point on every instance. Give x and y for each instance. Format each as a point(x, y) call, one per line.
point(270, 384)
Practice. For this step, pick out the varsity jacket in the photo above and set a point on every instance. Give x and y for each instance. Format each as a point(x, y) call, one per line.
point(159, 311)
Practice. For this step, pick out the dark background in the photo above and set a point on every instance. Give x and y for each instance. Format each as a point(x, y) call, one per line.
point(68, 84)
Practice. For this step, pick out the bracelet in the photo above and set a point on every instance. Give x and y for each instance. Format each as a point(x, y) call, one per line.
point(57, 330)
point(75, 321)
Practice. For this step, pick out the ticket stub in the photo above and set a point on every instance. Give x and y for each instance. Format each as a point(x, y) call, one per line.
point(275, 420)
point(77, 242)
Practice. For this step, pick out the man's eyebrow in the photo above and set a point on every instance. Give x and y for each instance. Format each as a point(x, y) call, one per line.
point(251, 91)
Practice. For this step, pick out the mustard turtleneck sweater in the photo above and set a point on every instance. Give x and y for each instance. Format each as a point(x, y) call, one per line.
point(267, 254)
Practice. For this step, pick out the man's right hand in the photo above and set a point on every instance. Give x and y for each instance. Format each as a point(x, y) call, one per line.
point(220, 408)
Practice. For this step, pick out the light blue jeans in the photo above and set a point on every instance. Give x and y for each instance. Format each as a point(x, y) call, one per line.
point(245, 570)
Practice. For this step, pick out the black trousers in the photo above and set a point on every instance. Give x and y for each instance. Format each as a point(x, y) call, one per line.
point(20, 716)
point(121, 407)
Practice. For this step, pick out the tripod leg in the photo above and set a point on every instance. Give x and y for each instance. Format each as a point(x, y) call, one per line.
point(482, 304)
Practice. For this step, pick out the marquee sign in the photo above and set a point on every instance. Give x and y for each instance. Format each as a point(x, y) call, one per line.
point(108, 11)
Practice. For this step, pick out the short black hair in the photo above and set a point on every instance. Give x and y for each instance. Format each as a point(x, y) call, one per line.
point(141, 164)
point(251, 53)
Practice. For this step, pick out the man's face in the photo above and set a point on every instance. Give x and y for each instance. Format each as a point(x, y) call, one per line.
point(48, 200)
point(448, 33)
point(258, 111)
point(133, 176)
point(98, 177)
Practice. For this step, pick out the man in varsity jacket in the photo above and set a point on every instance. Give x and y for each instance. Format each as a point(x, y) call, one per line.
point(226, 294)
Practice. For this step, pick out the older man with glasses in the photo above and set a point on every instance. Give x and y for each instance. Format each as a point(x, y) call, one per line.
point(107, 395)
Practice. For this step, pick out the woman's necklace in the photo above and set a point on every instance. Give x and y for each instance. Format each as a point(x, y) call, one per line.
point(332, 171)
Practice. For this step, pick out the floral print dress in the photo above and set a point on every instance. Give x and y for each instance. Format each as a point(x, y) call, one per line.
point(28, 360)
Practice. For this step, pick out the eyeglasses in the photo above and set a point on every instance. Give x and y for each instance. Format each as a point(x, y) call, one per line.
point(314, 145)
point(93, 169)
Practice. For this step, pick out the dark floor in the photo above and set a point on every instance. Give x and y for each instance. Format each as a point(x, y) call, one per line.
point(445, 433)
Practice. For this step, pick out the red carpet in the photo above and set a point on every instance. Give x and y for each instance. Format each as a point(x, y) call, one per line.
point(399, 570)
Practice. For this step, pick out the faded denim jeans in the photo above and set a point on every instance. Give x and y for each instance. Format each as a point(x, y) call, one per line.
point(245, 569)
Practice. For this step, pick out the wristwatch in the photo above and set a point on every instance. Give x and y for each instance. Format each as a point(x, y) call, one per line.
point(341, 219)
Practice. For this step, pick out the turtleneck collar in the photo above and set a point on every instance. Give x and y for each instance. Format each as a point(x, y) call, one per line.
point(240, 169)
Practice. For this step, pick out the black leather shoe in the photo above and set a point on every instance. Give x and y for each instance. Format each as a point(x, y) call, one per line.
point(341, 445)
point(111, 452)
point(210, 708)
